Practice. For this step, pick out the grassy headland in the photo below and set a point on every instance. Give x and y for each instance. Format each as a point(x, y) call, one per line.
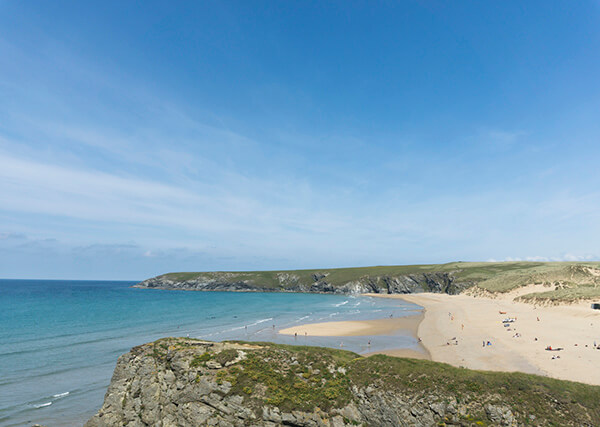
point(194, 382)
point(565, 281)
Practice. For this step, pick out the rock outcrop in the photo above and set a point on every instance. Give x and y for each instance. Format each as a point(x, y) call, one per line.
point(185, 382)
point(440, 282)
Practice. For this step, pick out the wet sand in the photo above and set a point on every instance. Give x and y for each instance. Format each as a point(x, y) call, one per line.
point(357, 327)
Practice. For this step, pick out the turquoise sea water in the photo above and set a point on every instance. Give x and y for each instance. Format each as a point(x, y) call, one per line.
point(60, 340)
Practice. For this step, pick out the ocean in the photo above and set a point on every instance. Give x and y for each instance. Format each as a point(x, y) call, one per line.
point(60, 340)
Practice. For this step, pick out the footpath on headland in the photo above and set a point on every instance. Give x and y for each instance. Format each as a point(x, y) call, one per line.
point(469, 331)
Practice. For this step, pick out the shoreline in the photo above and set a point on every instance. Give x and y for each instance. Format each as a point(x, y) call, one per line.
point(372, 327)
point(456, 328)
point(352, 328)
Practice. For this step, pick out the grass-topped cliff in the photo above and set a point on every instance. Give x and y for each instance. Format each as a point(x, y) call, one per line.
point(565, 281)
point(175, 381)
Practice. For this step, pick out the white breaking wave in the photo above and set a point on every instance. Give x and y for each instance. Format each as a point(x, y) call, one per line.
point(261, 321)
point(59, 395)
point(340, 304)
point(237, 328)
point(334, 314)
point(41, 405)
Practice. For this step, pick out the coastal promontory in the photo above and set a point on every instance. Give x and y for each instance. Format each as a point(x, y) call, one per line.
point(176, 381)
point(563, 281)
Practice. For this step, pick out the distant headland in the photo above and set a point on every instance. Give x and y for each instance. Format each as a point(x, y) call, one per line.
point(560, 281)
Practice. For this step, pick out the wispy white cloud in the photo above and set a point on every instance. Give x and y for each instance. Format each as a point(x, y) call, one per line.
point(559, 258)
point(96, 161)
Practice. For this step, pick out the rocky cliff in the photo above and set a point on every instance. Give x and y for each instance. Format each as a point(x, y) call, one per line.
point(316, 282)
point(185, 382)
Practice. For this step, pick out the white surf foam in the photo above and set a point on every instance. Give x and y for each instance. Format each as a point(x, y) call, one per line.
point(258, 322)
point(41, 405)
point(59, 395)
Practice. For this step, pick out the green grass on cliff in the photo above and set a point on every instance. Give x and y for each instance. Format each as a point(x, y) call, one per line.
point(573, 280)
point(305, 378)
point(556, 401)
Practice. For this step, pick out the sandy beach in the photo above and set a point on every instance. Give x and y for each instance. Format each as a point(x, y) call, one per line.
point(357, 327)
point(456, 329)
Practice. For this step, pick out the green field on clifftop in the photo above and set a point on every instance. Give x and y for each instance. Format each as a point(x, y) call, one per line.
point(566, 281)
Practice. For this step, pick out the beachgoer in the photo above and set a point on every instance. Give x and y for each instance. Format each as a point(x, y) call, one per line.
point(295, 335)
point(462, 326)
point(369, 343)
point(483, 344)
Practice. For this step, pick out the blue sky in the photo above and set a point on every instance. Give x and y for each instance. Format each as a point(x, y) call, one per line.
point(138, 138)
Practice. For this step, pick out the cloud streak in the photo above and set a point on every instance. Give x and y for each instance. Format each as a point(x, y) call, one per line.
point(110, 161)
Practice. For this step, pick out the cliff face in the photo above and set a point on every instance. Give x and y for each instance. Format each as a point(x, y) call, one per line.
point(318, 282)
point(189, 382)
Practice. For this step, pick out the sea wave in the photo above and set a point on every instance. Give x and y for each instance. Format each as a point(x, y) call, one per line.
point(261, 321)
point(237, 328)
point(59, 395)
point(42, 405)
point(340, 304)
